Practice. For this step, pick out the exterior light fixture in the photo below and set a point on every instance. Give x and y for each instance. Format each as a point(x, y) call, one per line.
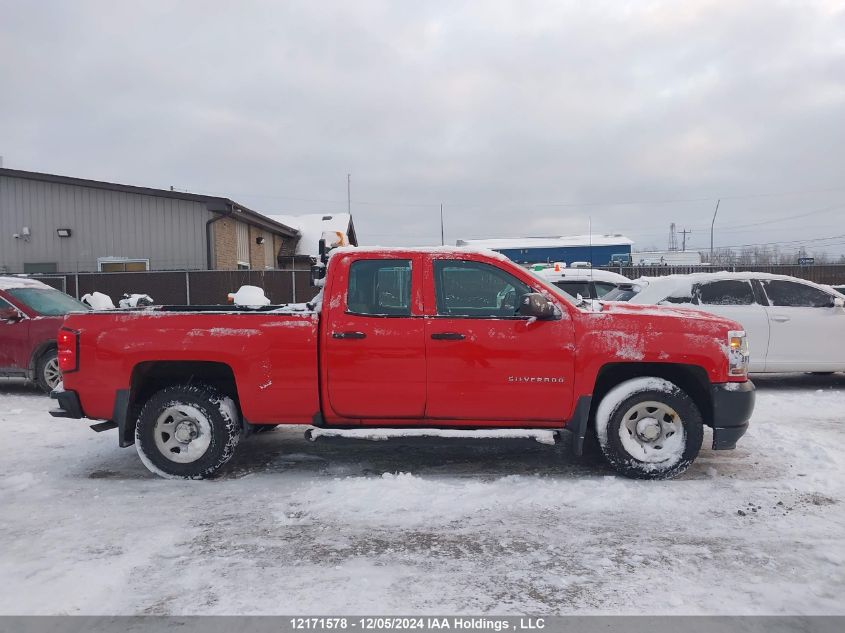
point(63, 232)
point(259, 240)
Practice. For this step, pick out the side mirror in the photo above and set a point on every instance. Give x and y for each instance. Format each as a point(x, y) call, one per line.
point(318, 273)
point(838, 302)
point(536, 305)
point(10, 315)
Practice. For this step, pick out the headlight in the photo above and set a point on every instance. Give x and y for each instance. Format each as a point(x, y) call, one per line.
point(737, 353)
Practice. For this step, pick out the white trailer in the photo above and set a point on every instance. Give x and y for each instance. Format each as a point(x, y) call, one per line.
point(667, 258)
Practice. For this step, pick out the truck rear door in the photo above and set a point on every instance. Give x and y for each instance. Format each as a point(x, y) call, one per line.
point(485, 362)
point(374, 346)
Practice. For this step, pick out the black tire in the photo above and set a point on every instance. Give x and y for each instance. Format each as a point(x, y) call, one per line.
point(45, 368)
point(652, 406)
point(208, 418)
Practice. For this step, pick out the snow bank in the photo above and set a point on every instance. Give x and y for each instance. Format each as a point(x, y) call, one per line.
point(249, 297)
point(98, 301)
point(135, 300)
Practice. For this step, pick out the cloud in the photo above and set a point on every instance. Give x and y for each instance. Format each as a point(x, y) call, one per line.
point(522, 118)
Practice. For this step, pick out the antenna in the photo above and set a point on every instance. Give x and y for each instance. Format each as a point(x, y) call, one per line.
point(442, 240)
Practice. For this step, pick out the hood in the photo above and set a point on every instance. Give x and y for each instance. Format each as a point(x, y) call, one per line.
point(671, 312)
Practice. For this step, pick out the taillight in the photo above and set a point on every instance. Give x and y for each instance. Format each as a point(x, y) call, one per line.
point(68, 343)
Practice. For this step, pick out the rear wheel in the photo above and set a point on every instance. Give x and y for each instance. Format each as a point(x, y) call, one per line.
point(47, 372)
point(187, 432)
point(649, 428)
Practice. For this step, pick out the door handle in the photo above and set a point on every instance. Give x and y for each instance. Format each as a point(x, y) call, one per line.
point(353, 335)
point(780, 318)
point(448, 336)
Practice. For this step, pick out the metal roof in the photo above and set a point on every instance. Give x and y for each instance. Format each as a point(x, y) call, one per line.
point(215, 204)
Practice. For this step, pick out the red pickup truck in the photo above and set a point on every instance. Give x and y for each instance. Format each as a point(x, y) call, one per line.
point(438, 338)
point(31, 313)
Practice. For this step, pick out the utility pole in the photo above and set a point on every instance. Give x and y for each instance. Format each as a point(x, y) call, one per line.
point(684, 239)
point(442, 240)
point(349, 194)
point(711, 228)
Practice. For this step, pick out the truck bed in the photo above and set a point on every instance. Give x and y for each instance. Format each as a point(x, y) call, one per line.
point(272, 353)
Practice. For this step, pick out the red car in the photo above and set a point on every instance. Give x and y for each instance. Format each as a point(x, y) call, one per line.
point(411, 338)
point(31, 313)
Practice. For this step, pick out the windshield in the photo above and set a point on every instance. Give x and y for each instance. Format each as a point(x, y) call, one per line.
point(47, 301)
point(621, 293)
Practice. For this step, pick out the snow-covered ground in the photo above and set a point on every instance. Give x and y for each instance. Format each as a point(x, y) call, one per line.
point(426, 525)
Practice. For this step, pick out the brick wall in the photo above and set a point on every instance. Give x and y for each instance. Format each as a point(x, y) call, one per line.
point(225, 244)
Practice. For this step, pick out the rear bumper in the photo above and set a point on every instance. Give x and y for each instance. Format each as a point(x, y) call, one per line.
point(69, 406)
point(733, 404)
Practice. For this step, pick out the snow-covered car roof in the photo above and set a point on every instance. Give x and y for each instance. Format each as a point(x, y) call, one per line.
point(581, 274)
point(12, 282)
point(654, 289)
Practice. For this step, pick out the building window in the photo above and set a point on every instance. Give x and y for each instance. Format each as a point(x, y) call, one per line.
point(242, 234)
point(122, 265)
point(41, 267)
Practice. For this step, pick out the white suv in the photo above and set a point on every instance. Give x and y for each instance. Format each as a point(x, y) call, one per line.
point(590, 283)
point(793, 325)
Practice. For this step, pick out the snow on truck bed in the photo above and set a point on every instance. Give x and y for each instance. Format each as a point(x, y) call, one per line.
point(426, 525)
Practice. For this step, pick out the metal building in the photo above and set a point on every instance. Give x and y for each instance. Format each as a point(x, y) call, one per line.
point(52, 223)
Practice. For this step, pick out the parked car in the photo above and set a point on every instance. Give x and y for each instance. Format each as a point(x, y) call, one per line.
point(590, 283)
point(408, 338)
point(31, 313)
point(793, 325)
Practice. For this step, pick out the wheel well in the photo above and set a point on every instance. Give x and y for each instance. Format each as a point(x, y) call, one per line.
point(691, 378)
point(39, 352)
point(150, 377)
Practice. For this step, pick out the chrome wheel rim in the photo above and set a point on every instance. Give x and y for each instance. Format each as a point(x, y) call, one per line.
point(52, 373)
point(182, 433)
point(652, 432)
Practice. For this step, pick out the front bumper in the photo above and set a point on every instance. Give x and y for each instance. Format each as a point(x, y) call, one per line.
point(69, 406)
point(733, 404)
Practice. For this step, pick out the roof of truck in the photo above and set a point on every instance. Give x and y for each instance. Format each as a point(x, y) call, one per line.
point(581, 274)
point(13, 281)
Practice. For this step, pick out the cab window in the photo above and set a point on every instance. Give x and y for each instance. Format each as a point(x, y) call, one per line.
point(476, 289)
point(726, 292)
point(380, 287)
point(793, 294)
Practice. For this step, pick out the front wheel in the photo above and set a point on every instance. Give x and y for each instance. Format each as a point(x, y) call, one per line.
point(649, 428)
point(187, 432)
point(47, 372)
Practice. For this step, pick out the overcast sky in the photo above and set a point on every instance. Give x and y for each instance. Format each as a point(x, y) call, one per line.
point(523, 118)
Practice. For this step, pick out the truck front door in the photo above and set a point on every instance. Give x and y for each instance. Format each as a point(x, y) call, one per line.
point(14, 338)
point(374, 347)
point(485, 361)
